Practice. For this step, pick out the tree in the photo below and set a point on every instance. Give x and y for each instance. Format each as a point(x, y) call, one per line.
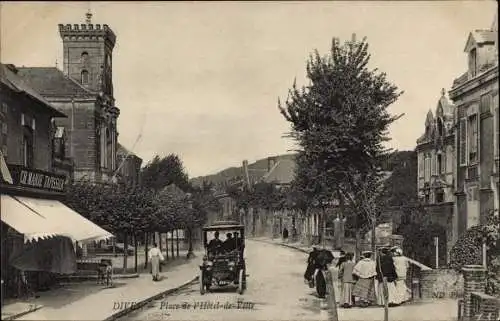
point(120, 210)
point(340, 121)
point(468, 250)
point(162, 172)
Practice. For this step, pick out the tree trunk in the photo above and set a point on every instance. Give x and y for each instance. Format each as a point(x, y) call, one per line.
point(358, 244)
point(190, 241)
point(125, 252)
point(172, 243)
point(177, 240)
point(374, 238)
point(135, 253)
point(254, 221)
point(166, 246)
point(146, 242)
point(114, 247)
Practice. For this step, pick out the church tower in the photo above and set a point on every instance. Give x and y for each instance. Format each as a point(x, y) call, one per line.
point(88, 55)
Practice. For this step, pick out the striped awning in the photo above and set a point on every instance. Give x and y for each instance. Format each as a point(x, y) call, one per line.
point(42, 218)
point(25, 220)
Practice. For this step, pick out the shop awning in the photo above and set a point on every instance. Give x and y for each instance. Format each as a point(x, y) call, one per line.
point(4, 170)
point(65, 221)
point(25, 220)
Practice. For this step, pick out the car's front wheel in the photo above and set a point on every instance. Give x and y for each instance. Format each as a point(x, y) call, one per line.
point(241, 281)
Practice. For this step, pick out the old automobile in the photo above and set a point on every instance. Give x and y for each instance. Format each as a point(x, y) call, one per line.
point(223, 263)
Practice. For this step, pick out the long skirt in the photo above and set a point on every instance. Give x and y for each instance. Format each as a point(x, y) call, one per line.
point(392, 293)
point(403, 294)
point(155, 266)
point(364, 289)
point(346, 293)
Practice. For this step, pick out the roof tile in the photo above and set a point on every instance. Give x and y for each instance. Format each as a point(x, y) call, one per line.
point(10, 76)
point(50, 81)
point(282, 173)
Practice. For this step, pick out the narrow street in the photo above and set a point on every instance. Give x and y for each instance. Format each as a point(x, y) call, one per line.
point(276, 291)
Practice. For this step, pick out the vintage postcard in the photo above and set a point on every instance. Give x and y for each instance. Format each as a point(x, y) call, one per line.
point(249, 160)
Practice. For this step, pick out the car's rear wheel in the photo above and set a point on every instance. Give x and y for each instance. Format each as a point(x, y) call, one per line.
point(202, 283)
point(241, 281)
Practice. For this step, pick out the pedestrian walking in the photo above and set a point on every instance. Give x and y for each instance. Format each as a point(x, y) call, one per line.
point(387, 270)
point(285, 234)
point(401, 264)
point(365, 273)
point(336, 277)
point(156, 257)
point(347, 281)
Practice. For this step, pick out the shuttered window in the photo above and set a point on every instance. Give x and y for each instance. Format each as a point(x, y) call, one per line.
point(497, 126)
point(473, 139)
point(463, 142)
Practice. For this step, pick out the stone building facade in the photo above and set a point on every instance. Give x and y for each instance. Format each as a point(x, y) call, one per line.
point(435, 154)
point(26, 123)
point(475, 95)
point(129, 167)
point(83, 90)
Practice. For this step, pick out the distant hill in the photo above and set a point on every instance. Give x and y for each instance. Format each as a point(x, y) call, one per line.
point(255, 171)
point(403, 165)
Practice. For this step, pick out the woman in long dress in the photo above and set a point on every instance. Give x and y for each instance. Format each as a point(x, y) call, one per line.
point(155, 257)
point(365, 272)
point(401, 264)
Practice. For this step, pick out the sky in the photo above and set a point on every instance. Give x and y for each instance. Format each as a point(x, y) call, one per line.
point(202, 79)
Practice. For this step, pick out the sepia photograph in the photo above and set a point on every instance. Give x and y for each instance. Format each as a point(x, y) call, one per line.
point(250, 160)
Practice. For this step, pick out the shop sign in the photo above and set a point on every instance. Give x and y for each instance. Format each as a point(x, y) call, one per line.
point(27, 177)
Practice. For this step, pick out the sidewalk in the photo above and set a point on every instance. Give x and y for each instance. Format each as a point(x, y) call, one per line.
point(89, 301)
point(420, 310)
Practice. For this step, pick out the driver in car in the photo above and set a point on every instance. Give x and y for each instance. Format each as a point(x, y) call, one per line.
point(215, 245)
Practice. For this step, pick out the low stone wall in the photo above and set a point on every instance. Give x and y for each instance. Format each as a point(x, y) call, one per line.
point(441, 283)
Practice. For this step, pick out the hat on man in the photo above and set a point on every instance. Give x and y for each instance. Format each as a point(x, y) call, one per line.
point(384, 250)
point(366, 253)
point(397, 250)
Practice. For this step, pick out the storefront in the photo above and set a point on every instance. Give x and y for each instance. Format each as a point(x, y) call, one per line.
point(38, 230)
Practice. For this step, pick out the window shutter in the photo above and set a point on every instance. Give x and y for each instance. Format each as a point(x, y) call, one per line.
point(463, 142)
point(478, 123)
point(497, 125)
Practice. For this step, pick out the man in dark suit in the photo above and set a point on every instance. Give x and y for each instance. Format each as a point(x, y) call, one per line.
point(387, 270)
point(215, 245)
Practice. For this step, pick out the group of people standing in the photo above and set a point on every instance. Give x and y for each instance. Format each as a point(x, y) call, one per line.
point(362, 283)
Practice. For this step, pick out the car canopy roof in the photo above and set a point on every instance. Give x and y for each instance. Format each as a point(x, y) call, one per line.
point(224, 225)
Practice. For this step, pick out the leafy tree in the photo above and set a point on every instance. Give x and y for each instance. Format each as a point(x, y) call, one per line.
point(125, 211)
point(162, 172)
point(340, 121)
